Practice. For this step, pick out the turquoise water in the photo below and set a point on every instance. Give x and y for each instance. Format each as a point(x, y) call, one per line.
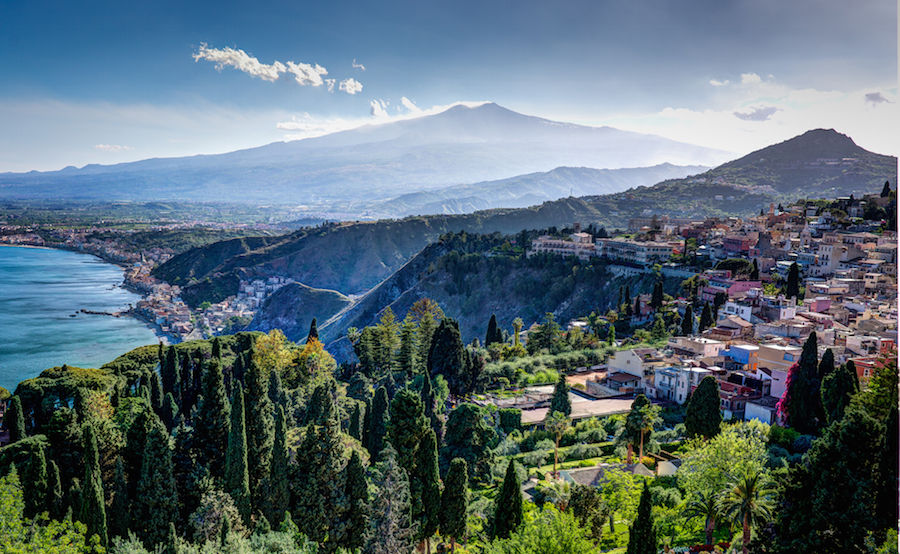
point(39, 289)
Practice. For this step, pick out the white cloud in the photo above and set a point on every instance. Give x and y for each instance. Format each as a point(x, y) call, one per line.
point(112, 147)
point(717, 83)
point(750, 79)
point(350, 86)
point(378, 108)
point(241, 61)
point(307, 74)
point(329, 84)
point(762, 113)
point(876, 98)
point(409, 105)
point(358, 66)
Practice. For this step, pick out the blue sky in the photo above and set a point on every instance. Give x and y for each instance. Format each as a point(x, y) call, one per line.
point(102, 82)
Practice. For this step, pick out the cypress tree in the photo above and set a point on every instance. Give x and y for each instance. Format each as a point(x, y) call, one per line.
point(826, 364)
point(119, 520)
point(217, 349)
point(35, 484)
point(156, 393)
point(170, 371)
point(637, 305)
point(425, 334)
point(278, 496)
point(169, 411)
point(356, 491)
point(886, 189)
point(54, 491)
point(446, 356)
point(687, 322)
point(156, 503)
point(429, 401)
point(754, 273)
point(838, 387)
point(313, 331)
point(455, 501)
point(560, 401)
point(642, 536)
point(406, 430)
point(611, 334)
point(703, 417)
point(213, 419)
point(93, 507)
point(493, 334)
point(803, 396)
point(133, 453)
point(656, 300)
point(171, 546)
point(378, 422)
point(706, 317)
point(792, 289)
point(14, 419)
point(237, 481)
point(354, 426)
point(260, 427)
point(276, 389)
point(429, 488)
point(508, 509)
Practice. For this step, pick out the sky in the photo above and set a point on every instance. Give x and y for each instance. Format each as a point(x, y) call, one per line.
point(105, 82)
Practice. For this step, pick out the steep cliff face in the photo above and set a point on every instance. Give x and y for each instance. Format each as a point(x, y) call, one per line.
point(292, 307)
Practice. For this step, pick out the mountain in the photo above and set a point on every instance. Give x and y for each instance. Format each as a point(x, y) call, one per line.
point(528, 190)
point(346, 172)
point(292, 307)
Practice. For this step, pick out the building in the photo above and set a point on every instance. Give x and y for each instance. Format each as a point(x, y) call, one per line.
point(634, 251)
point(580, 245)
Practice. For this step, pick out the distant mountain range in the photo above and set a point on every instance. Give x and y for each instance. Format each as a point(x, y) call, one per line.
point(349, 171)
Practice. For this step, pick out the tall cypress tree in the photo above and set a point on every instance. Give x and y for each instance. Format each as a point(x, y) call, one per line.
point(213, 420)
point(54, 491)
point(656, 300)
point(260, 428)
point(156, 393)
point(170, 371)
point(560, 401)
point(425, 334)
point(169, 411)
point(119, 509)
point(156, 503)
point(706, 317)
point(14, 419)
point(803, 396)
point(278, 495)
point(35, 483)
point(837, 390)
point(792, 289)
point(455, 501)
point(429, 401)
point(508, 508)
point(356, 491)
point(642, 536)
point(703, 417)
point(429, 488)
point(93, 507)
point(276, 389)
point(687, 322)
point(313, 331)
point(354, 425)
point(826, 364)
point(406, 430)
point(378, 423)
point(237, 480)
point(493, 334)
point(446, 356)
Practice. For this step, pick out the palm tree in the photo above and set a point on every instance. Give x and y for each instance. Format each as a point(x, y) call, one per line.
point(705, 505)
point(750, 500)
point(556, 423)
point(517, 328)
point(650, 418)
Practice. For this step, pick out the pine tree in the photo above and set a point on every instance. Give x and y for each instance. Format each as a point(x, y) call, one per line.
point(260, 428)
point(313, 331)
point(213, 418)
point(560, 401)
point(792, 289)
point(406, 357)
point(493, 335)
point(407, 429)
point(642, 535)
point(455, 502)
point(14, 419)
point(446, 356)
point(425, 333)
point(278, 496)
point(429, 487)
point(803, 401)
point(54, 491)
point(237, 480)
point(356, 490)
point(35, 483)
point(119, 509)
point(378, 422)
point(170, 371)
point(156, 503)
point(703, 417)
point(93, 508)
point(687, 322)
point(508, 508)
point(706, 317)
point(390, 527)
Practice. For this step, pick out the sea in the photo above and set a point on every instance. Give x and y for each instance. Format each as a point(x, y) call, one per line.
point(40, 290)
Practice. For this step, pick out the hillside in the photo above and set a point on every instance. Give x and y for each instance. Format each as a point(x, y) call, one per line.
point(346, 172)
point(293, 306)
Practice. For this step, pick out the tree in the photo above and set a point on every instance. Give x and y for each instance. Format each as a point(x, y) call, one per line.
point(706, 317)
point(426, 314)
point(356, 490)
point(706, 465)
point(493, 335)
point(313, 331)
point(170, 371)
point(406, 430)
point(517, 330)
point(589, 509)
point(838, 388)
point(54, 491)
point(642, 536)
point(156, 503)
point(792, 289)
point(93, 508)
point(429, 487)
point(14, 419)
point(455, 502)
point(749, 500)
point(446, 356)
point(391, 529)
point(35, 482)
point(213, 417)
point(260, 428)
point(639, 424)
point(237, 480)
point(278, 495)
point(703, 417)
point(826, 364)
point(656, 299)
point(704, 504)
point(802, 401)
point(406, 357)
point(687, 322)
point(119, 520)
point(560, 401)
point(886, 190)
point(611, 334)
point(550, 531)
point(378, 422)
point(469, 437)
point(508, 510)
point(556, 423)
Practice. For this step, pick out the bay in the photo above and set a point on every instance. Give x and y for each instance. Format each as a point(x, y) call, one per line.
point(39, 290)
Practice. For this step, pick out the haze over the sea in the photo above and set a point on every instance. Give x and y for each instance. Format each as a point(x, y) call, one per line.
point(39, 289)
